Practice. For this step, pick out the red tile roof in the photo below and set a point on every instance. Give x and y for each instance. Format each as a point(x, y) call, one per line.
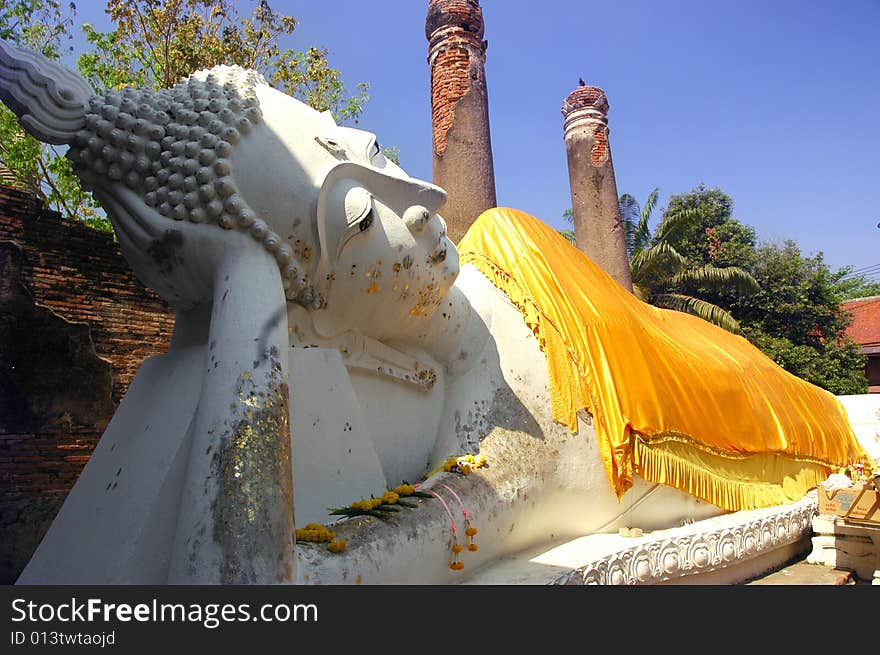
point(865, 328)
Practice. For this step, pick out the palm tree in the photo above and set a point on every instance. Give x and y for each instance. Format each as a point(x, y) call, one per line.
point(568, 215)
point(635, 221)
point(658, 269)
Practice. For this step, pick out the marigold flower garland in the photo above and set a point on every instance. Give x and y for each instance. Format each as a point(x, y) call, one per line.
point(462, 464)
point(393, 499)
point(317, 533)
point(384, 507)
point(470, 532)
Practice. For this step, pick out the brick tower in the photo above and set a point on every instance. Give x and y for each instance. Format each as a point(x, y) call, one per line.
point(460, 111)
point(598, 227)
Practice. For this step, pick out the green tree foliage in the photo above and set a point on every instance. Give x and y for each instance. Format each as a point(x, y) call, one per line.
point(796, 319)
point(836, 368)
point(664, 277)
point(41, 25)
point(569, 235)
point(635, 221)
point(852, 285)
point(711, 208)
point(568, 216)
point(660, 272)
point(794, 315)
point(156, 43)
point(44, 26)
point(700, 259)
point(392, 153)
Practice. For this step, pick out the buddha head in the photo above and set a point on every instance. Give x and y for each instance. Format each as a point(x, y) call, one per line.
point(366, 236)
point(357, 241)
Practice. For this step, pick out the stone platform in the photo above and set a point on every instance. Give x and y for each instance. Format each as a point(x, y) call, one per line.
point(728, 549)
point(846, 545)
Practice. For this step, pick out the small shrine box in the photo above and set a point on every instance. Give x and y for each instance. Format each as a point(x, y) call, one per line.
point(860, 503)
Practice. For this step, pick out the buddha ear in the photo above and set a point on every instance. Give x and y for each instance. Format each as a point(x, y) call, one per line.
point(345, 209)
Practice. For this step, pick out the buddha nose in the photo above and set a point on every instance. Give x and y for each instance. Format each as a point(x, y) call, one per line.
point(429, 195)
point(416, 218)
point(426, 199)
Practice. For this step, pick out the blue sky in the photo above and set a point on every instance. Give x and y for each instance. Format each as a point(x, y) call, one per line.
point(777, 102)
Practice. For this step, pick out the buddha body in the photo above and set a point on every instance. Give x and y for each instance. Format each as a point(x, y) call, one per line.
point(327, 346)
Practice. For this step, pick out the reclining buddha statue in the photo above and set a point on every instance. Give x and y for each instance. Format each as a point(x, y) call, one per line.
point(331, 344)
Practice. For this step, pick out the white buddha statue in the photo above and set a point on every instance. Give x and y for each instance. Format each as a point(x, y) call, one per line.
point(326, 347)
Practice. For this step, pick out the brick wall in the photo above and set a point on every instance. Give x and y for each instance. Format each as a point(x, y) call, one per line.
point(450, 80)
point(456, 54)
point(75, 325)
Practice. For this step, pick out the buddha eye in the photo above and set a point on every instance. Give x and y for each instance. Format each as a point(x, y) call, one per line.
point(375, 155)
point(359, 216)
point(332, 145)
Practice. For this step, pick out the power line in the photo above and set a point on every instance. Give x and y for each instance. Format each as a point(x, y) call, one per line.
point(857, 270)
point(866, 271)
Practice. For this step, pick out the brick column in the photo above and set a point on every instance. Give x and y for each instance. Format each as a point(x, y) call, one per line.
point(598, 226)
point(460, 111)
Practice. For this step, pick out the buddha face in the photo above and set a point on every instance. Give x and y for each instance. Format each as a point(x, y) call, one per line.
point(367, 235)
point(357, 240)
point(386, 263)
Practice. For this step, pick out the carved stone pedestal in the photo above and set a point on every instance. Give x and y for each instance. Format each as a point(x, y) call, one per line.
point(723, 550)
point(846, 545)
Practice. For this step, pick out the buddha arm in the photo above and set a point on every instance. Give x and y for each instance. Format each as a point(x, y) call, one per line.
point(236, 517)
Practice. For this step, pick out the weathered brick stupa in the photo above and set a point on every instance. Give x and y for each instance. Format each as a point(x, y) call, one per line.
point(598, 227)
point(460, 111)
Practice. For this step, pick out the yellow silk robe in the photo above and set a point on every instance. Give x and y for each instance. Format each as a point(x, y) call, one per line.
point(675, 399)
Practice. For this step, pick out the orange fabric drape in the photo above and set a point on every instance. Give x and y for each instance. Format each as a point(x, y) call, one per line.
point(674, 398)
